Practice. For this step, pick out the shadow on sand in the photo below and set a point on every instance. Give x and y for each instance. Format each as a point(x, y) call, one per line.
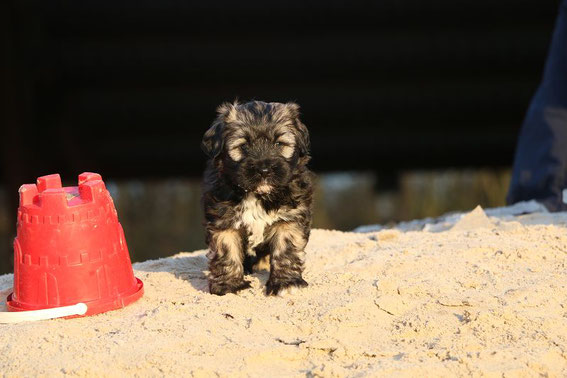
point(193, 268)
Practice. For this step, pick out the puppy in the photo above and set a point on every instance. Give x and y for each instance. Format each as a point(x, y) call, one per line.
point(257, 195)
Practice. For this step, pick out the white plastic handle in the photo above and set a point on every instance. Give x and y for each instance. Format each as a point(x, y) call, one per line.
point(48, 313)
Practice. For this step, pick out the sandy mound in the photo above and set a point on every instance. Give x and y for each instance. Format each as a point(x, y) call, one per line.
point(487, 296)
point(475, 219)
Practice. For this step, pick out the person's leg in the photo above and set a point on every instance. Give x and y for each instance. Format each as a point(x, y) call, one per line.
point(540, 164)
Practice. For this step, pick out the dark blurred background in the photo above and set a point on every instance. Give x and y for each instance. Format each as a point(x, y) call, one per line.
point(414, 107)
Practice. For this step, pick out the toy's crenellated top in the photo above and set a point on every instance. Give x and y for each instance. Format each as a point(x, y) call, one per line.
point(50, 197)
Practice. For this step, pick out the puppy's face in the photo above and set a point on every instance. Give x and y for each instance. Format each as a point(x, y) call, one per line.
point(257, 145)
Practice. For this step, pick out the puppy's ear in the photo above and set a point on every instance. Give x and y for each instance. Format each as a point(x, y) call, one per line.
point(303, 141)
point(227, 112)
point(213, 140)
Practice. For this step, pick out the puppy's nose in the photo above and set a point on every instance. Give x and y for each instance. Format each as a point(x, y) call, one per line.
point(264, 167)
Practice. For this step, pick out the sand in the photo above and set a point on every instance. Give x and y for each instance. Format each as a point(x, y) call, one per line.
point(469, 294)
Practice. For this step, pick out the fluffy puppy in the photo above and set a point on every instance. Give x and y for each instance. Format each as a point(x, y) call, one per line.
point(257, 195)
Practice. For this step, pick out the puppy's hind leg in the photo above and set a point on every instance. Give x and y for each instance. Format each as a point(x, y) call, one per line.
point(287, 255)
point(260, 261)
point(262, 264)
point(225, 266)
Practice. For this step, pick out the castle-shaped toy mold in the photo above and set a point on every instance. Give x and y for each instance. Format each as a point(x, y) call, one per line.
point(70, 248)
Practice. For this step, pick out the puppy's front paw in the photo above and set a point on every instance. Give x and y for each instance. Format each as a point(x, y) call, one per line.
point(278, 286)
point(222, 288)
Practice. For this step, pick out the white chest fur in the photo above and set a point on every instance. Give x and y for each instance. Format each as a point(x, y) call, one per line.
point(255, 219)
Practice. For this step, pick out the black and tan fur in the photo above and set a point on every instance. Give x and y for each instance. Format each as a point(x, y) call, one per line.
point(257, 195)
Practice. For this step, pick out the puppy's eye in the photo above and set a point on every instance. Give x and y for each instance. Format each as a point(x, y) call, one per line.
point(277, 144)
point(242, 146)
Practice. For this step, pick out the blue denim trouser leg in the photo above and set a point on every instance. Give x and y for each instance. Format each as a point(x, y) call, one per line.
point(540, 164)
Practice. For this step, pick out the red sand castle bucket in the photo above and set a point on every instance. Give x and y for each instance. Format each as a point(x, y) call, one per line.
point(70, 249)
